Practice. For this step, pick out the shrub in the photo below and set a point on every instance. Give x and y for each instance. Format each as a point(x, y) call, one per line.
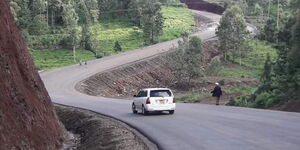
point(214, 66)
point(242, 101)
point(117, 47)
point(263, 100)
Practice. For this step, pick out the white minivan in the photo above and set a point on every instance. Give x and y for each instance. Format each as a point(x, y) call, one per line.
point(154, 100)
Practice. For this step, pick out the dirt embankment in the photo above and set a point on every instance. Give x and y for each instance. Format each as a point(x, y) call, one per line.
point(98, 132)
point(27, 118)
point(204, 6)
point(125, 81)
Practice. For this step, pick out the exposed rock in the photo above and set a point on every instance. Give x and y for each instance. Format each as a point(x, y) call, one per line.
point(27, 118)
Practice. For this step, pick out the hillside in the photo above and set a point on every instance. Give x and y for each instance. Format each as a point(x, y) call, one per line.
point(177, 20)
point(27, 118)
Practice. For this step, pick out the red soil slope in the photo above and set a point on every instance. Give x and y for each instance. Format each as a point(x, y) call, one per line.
point(27, 118)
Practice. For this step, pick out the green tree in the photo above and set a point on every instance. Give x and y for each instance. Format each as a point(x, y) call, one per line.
point(38, 25)
point(152, 22)
point(15, 9)
point(22, 14)
point(87, 38)
point(189, 59)
point(117, 47)
point(83, 13)
point(293, 59)
point(195, 58)
point(214, 67)
point(266, 76)
point(270, 32)
point(232, 33)
point(93, 8)
point(54, 12)
point(38, 7)
point(135, 11)
point(70, 19)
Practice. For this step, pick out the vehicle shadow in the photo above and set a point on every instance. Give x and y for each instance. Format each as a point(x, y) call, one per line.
point(164, 113)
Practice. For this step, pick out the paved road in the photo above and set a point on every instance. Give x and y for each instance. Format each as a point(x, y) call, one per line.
point(193, 126)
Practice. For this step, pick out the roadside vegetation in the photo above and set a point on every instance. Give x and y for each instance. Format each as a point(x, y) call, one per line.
point(193, 97)
point(279, 73)
point(271, 57)
point(50, 59)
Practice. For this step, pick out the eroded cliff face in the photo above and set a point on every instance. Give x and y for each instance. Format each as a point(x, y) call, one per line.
point(27, 118)
point(204, 6)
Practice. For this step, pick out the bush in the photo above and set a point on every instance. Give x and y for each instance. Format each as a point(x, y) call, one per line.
point(45, 41)
point(242, 101)
point(117, 47)
point(263, 100)
point(214, 66)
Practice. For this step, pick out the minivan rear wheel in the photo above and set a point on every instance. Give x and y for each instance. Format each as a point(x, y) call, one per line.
point(134, 109)
point(144, 111)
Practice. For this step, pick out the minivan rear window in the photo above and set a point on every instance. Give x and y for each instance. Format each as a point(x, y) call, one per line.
point(160, 93)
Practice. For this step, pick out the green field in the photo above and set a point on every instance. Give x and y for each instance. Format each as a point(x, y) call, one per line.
point(177, 21)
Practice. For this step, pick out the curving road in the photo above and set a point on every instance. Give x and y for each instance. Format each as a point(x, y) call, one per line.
point(193, 126)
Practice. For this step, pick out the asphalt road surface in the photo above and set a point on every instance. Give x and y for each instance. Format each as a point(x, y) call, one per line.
point(193, 126)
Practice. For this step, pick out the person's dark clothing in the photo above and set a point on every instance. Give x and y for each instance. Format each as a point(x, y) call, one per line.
point(217, 92)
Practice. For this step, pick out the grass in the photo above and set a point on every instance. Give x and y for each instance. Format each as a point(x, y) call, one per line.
point(192, 97)
point(256, 58)
point(177, 21)
point(50, 59)
point(246, 90)
point(252, 63)
point(109, 31)
point(240, 72)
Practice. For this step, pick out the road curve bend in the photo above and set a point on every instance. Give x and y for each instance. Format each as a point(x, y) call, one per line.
point(193, 126)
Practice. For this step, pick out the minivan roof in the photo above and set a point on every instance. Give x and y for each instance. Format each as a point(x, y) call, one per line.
point(151, 89)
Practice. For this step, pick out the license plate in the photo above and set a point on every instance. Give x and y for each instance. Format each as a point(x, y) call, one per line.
point(162, 101)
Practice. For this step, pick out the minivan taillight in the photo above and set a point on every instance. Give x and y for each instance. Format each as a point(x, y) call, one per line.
point(174, 100)
point(148, 101)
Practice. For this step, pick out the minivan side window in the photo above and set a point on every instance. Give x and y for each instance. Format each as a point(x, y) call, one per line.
point(142, 94)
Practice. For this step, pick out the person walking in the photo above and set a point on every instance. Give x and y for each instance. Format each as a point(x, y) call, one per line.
point(217, 92)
